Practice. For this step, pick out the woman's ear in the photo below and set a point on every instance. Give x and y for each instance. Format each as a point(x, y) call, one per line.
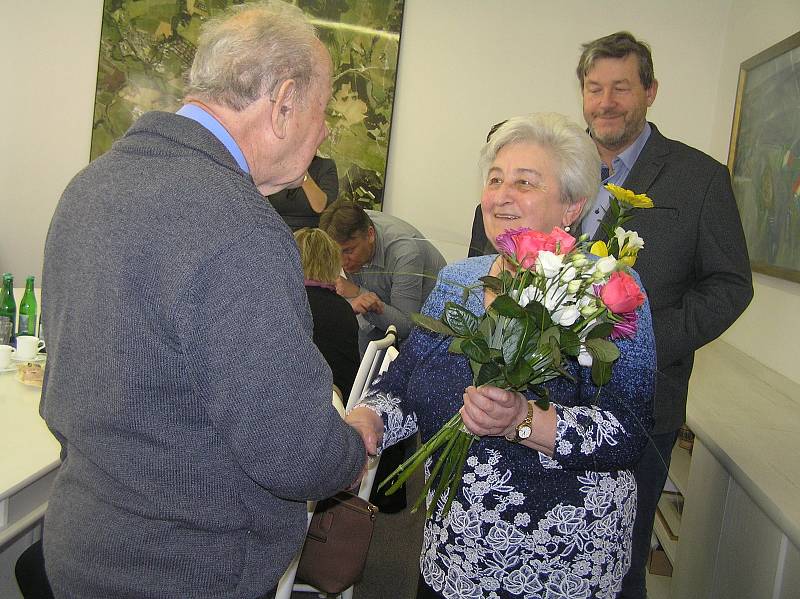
point(573, 212)
point(283, 109)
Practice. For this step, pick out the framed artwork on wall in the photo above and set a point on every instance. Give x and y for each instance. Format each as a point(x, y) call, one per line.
point(147, 46)
point(764, 158)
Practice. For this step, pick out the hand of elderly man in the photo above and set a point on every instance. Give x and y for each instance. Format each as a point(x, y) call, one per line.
point(367, 302)
point(369, 425)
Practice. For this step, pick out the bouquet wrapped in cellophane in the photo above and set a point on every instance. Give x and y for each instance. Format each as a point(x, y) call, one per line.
point(553, 302)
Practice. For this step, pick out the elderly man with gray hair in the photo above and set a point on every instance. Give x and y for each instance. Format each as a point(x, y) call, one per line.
point(190, 443)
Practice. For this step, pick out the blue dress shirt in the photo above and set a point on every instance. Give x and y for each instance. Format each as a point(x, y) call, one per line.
point(194, 112)
point(620, 168)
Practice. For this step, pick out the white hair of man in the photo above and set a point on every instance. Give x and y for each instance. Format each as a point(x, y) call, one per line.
point(574, 152)
point(249, 50)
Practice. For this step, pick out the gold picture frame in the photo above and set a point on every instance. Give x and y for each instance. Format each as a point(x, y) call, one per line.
point(764, 158)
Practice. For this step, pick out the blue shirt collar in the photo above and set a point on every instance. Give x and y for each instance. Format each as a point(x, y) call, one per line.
point(630, 154)
point(207, 120)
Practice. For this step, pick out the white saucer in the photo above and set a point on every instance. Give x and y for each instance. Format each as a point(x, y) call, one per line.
point(9, 369)
point(36, 358)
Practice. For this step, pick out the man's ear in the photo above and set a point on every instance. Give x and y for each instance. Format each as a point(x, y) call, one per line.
point(284, 106)
point(651, 92)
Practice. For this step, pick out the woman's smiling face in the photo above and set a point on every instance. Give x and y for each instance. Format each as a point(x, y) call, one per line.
point(522, 190)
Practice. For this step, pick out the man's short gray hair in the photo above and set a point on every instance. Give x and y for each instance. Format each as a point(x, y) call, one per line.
point(617, 45)
point(574, 152)
point(249, 50)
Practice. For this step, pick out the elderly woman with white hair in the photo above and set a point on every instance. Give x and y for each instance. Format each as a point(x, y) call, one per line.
point(550, 515)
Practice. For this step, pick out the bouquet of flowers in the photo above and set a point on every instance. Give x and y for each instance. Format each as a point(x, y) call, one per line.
point(553, 302)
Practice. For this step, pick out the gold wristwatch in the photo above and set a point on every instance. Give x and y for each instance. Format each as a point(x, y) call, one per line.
point(524, 428)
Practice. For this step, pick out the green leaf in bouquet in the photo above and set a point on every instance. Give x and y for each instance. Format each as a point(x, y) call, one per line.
point(548, 335)
point(505, 306)
point(520, 375)
point(476, 350)
point(487, 373)
point(515, 339)
point(432, 324)
point(492, 283)
point(463, 322)
point(455, 346)
point(486, 326)
point(601, 372)
point(539, 314)
point(570, 342)
point(543, 396)
point(555, 352)
point(602, 349)
point(601, 331)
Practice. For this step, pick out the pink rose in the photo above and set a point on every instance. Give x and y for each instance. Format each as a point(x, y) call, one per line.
point(621, 294)
point(525, 244)
point(505, 241)
point(565, 241)
point(528, 244)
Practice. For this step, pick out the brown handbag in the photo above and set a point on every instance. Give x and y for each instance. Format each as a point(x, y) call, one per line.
point(337, 543)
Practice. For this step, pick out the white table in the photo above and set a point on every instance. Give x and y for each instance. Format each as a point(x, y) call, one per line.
point(740, 529)
point(29, 459)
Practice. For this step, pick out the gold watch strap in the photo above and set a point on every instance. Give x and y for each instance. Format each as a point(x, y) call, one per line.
point(528, 422)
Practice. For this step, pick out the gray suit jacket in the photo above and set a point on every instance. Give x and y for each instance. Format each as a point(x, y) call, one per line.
point(694, 264)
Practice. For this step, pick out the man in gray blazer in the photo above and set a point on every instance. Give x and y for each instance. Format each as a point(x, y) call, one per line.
point(694, 265)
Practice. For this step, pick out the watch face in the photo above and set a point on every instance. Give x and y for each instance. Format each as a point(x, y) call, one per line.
point(524, 432)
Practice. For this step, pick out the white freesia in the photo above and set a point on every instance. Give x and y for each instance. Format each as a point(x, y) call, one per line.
point(549, 264)
point(628, 240)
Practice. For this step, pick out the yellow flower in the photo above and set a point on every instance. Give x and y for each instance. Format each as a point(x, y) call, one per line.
point(626, 196)
point(599, 248)
point(629, 260)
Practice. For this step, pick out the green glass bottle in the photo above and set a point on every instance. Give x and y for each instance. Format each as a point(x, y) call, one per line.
point(27, 310)
point(8, 305)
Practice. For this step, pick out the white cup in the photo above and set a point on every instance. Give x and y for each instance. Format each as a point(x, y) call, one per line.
point(5, 356)
point(28, 347)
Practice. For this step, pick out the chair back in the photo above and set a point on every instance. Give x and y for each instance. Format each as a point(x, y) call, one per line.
point(370, 365)
point(368, 481)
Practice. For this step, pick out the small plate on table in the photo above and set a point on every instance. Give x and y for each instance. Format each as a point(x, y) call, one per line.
point(36, 358)
point(11, 368)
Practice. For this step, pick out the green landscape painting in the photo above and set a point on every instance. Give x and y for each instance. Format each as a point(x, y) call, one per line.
point(146, 47)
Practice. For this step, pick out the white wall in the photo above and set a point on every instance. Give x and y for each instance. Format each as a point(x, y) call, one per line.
point(464, 65)
point(49, 50)
point(467, 64)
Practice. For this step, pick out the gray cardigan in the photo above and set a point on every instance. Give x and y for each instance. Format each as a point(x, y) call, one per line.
point(192, 405)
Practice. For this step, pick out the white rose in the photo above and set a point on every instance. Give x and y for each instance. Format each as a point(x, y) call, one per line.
point(568, 316)
point(606, 265)
point(549, 264)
